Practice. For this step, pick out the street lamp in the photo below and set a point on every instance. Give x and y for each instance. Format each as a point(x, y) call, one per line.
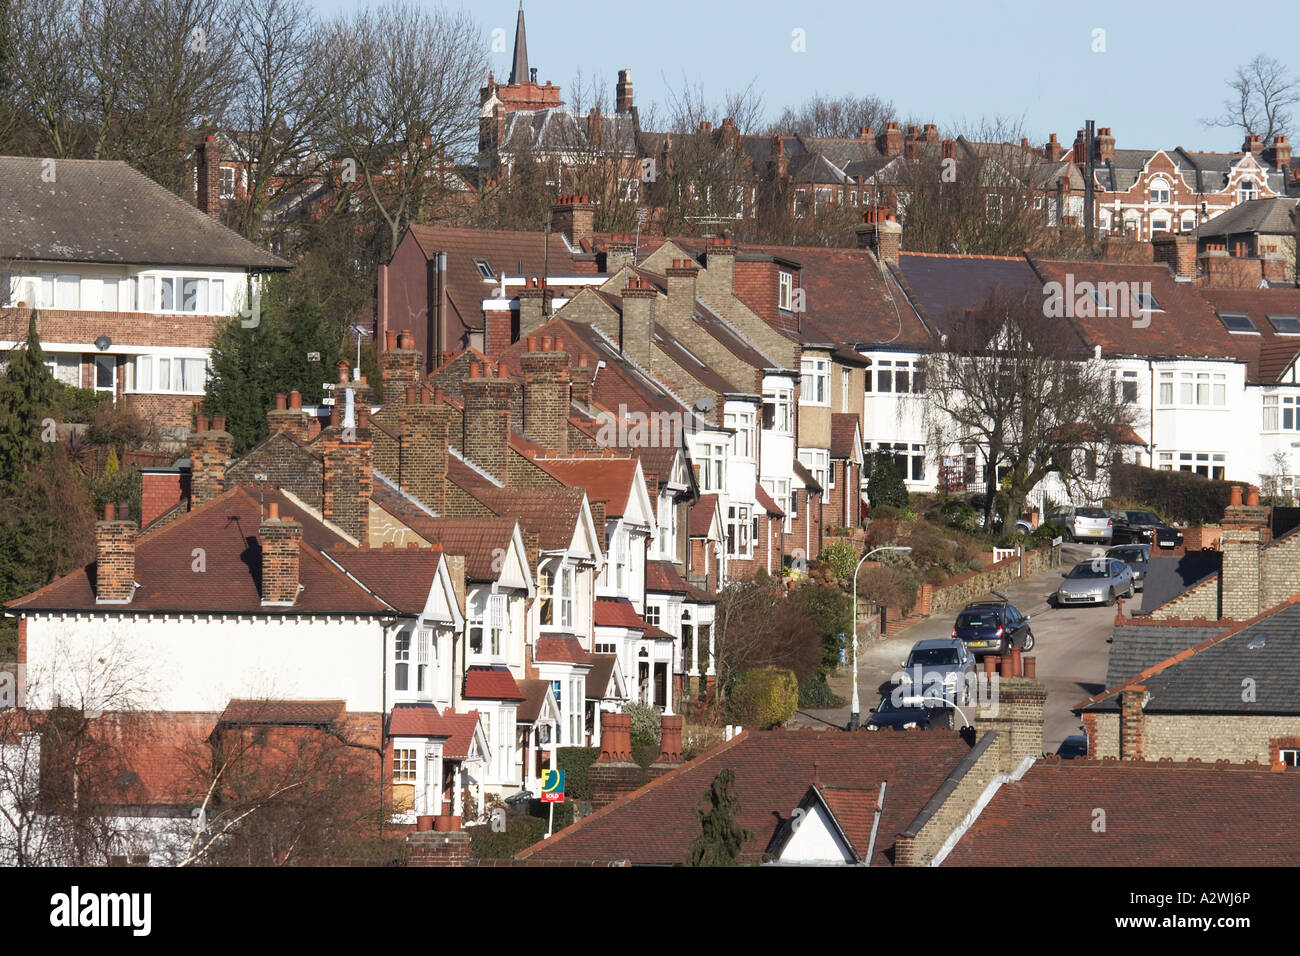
point(857, 707)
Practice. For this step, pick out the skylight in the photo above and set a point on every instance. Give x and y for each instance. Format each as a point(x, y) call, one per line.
point(1285, 324)
point(1237, 322)
point(1257, 641)
point(484, 268)
point(1146, 302)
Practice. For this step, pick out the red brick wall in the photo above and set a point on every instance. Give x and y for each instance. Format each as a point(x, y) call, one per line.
point(757, 285)
point(160, 493)
point(499, 332)
point(125, 328)
point(168, 412)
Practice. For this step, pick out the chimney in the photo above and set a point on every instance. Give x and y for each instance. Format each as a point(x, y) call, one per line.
point(288, 416)
point(636, 335)
point(1016, 713)
point(931, 134)
point(1279, 155)
point(208, 175)
point(348, 477)
point(532, 312)
point(1253, 145)
point(718, 279)
point(210, 451)
point(623, 92)
point(580, 386)
point(1131, 736)
point(280, 539)
point(679, 310)
point(115, 556)
point(486, 435)
point(424, 434)
point(1245, 534)
point(1053, 150)
point(1079, 152)
point(399, 365)
point(619, 252)
point(730, 134)
point(575, 218)
point(890, 142)
point(949, 149)
point(595, 126)
point(777, 164)
point(880, 233)
point(614, 774)
point(670, 747)
point(1105, 146)
point(546, 393)
point(1178, 251)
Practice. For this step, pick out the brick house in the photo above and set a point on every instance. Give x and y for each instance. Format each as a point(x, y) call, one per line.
point(129, 283)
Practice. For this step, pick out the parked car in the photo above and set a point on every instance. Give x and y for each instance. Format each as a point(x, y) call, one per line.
point(1074, 747)
point(939, 663)
point(1145, 527)
point(1096, 581)
point(992, 627)
point(1084, 524)
point(910, 713)
point(1137, 557)
point(1023, 525)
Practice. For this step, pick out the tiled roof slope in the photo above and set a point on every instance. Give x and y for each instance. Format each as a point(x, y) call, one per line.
point(1135, 648)
point(941, 285)
point(773, 770)
point(1157, 814)
point(105, 211)
point(1267, 354)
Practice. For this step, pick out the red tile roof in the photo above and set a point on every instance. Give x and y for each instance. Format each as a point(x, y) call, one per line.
point(481, 541)
point(601, 673)
point(662, 577)
point(283, 712)
point(462, 728)
point(491, 683)
point(618, 612)
point(844, 432)
point(402, 577)
point(766, 501)
point(561, 649)
point(1157, 814)
point(1267, 354)
point(657, 824)
point(226, 530)
point(417, 720)
point(701, 515)
point(530, 708)
point(603, 477)
point(551, 513)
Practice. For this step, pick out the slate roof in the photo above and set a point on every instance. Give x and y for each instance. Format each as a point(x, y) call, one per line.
point(844, 432)
point(1157, 814)
point(1134, 648)
point(1268, 216)
point(226, 529)
point(490, 683)
point(1207, 678)
point(946, 285)
point(1167, 578)
point(105, 211)
point(773, 769)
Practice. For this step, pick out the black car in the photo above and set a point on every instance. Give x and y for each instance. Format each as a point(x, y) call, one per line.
point(914, 713)
point(1137, 557)
point(993, 627)
point(1144, 527)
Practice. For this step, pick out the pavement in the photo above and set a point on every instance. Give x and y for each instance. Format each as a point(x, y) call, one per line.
point(1070, 647)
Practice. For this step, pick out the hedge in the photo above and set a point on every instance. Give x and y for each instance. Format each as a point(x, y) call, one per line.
point(521, 832)
point(1179, 496)
point(763, 698)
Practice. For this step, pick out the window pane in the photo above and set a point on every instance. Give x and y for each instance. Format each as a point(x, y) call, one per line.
point(194, 295)
point(217, 297)
point(164, 375)
point(168, 299)
point(67, 292)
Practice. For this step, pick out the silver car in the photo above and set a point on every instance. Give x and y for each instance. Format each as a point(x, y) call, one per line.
point(1097, 581)
point(942, 667)
point(1089, 524)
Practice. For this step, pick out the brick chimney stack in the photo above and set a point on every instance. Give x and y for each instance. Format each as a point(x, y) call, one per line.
point(670, 747)
point(486, 433)
point(1131, 731)
point(636, 338)
point(1016, 713)
point(288, 416)
point(623, 92)
point(614, 773)
point(208, 175)
point(580, 383)
point(349, 476)
point(115, 556)
point(546, 393)
point(424, 433)
point(210, 451)
point(1279, 155)
point(1105, 144)
point(1178, 251)
point(680, 307)
point(1079, 152)
point(399, 364)
point(575, 218)
point(931, 133)
point(1246, 533)
point(880, 233)
point(1053, 151)
point(718, 279)
point(890, 141)
point(532, 305)
point(1253, 145)
point(280, 539)
point(778, 165)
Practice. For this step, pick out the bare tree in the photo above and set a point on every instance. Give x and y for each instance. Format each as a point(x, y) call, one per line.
point(1262, 94)
point(839, 117)
point(1025, 388)
point(406, 105)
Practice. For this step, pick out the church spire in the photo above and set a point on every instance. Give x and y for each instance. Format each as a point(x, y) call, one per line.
point(519, 69)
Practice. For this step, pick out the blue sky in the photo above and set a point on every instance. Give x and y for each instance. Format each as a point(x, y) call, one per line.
point(1163, 70)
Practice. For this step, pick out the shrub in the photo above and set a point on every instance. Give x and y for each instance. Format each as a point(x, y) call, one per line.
point(765, 697)
point(575, 762)
point(816, 693)
point(118, 425)
point(521, 832)
point(888, 586)
point(647, 727)
point(77, 405)
point(885, 486)
point(842, 558)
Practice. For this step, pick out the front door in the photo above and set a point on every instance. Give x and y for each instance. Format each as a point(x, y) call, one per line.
point(106, 373)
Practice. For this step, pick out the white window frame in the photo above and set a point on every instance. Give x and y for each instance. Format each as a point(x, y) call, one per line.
point(712, 458)
point(740, 526)
point(742, 443)
point(785, 290)
point(815, 381)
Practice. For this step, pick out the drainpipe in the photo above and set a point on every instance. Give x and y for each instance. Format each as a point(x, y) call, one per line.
point(1151, 403)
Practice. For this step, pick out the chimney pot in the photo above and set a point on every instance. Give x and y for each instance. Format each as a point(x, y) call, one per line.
point(273, 511)
point(109, 511)
point(1234, 496)
point(295, 399)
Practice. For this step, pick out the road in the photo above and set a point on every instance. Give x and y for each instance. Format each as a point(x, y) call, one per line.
point(1070, 647)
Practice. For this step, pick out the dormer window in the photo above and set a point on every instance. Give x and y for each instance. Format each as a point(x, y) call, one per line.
point(1247, 190)
point(785, 291)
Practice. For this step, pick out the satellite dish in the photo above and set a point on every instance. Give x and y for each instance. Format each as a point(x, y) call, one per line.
point(103, 342)
point(704, 405)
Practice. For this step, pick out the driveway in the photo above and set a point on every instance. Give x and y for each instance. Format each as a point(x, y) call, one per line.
point(1070, 647)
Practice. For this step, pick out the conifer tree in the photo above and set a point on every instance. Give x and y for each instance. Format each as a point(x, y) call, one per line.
point(721, 836)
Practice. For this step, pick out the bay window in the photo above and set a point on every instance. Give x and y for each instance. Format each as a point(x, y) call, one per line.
point(710, 456)
point(816, 374)
point(402, 661)
point(743, 443)
point(776, 412)
point(740, 542)
point(566, 598)
point(545, 597)
point(817, 461)
point(1280, 413)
